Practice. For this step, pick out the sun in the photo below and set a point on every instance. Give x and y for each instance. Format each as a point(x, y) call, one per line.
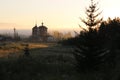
point(111, 13)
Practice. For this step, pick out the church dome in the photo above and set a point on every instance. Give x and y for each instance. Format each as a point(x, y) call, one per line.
point(42, 26)
point(35, 27)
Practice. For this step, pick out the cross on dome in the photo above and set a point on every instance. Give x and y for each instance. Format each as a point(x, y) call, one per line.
point(42, 23)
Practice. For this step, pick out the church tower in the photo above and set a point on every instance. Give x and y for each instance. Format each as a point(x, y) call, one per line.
point(40, 33)
point(35, 31)
point(42, 30)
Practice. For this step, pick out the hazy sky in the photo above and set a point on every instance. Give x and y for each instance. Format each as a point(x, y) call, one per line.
point(56, 14)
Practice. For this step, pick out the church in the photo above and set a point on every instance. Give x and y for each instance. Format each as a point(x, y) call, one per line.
point(39, 33)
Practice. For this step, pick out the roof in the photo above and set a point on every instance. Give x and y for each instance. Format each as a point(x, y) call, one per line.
point(42, 26)
point(35, 26)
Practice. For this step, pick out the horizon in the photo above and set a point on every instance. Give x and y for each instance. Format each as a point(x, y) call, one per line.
point(28, 32)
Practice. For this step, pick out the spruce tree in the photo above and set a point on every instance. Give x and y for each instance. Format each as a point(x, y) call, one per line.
point(92, 14)
point(90, 52)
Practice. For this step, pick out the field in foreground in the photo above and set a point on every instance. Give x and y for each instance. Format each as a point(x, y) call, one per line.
point(46, 62)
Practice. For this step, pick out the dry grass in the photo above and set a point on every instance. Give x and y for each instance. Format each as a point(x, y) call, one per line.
point(14, 48)
point(46, 62)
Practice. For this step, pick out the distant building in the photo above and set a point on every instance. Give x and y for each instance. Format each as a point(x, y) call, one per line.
point(40, 33)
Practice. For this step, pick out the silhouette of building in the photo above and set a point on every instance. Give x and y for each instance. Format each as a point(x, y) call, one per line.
point(39, 33)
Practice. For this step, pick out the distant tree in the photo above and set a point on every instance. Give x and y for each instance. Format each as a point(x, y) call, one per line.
point(90, 52)
point(70, 41)
point(67, 35)
point(57, 35)
point(67, 39)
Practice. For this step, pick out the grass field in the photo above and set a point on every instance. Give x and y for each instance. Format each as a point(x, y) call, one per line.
point(48, 61)
point(8, 48)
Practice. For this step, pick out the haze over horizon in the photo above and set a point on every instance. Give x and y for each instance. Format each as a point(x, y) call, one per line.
point(28, 32)
point(56, 14)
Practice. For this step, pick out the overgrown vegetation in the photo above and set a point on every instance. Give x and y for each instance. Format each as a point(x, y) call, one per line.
point(97, 48)
point(54, 62)
point(45, 63)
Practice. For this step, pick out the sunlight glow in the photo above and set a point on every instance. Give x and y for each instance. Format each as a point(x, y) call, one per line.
point(56, 14)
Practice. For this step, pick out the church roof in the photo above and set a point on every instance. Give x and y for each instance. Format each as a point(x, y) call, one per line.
point(42, 26)
point(35, 26)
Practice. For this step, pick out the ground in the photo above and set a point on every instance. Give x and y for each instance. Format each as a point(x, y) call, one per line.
point(47, 61)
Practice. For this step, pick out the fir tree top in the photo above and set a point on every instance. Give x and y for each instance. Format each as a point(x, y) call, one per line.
point(92, 15)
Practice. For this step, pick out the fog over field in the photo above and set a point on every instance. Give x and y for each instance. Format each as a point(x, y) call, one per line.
point(21, 32)
point(28, 32)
